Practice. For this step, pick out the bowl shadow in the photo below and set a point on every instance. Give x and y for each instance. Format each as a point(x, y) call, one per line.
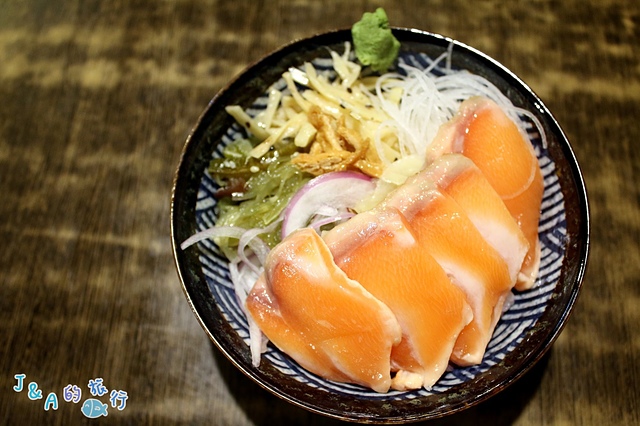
point(264, 408)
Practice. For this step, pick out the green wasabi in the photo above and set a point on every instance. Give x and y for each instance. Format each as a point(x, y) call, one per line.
point(374, 43)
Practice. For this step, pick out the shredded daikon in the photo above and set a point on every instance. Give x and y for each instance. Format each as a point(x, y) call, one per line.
point(213, 232)
point(243, 279)
point(421, 111)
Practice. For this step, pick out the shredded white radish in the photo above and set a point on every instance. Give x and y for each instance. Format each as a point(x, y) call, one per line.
point(421, 111)
point(318, 224)
point(243, 279)
point(214, 232)
point(258, 247)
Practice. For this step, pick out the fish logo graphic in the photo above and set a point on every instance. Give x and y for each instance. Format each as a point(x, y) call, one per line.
point(92, 408)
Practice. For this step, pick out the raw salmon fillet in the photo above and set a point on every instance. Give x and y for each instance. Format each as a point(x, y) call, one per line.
point(328, 323)
point(482, 132)
point(378, 250)
point(458, 176)
point(442, 228)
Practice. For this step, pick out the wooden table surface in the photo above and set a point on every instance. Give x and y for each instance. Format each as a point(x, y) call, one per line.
point(96, 100)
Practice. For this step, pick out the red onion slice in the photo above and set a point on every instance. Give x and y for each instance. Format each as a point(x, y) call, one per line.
point(338, 190)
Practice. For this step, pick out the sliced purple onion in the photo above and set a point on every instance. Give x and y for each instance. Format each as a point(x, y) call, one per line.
point(338, 190)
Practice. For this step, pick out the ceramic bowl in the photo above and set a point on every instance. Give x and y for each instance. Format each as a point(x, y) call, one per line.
point(524, 333)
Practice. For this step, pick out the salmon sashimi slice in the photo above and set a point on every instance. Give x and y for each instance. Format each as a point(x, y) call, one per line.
point(443, 229)
point(378, 250)
point(484, 133)
point(459, 177)
point(326, 322)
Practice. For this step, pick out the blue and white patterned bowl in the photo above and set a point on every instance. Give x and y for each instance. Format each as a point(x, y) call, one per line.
point(525, 331)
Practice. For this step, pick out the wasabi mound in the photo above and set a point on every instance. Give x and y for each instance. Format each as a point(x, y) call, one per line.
point(374, 42)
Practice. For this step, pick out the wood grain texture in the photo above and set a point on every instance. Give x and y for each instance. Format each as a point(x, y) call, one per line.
point(96, 100)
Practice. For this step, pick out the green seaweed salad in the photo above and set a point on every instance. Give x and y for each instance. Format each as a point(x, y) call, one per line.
point(254, 191)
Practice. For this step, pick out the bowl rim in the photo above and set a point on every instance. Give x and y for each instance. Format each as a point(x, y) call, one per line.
point(196, 289)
